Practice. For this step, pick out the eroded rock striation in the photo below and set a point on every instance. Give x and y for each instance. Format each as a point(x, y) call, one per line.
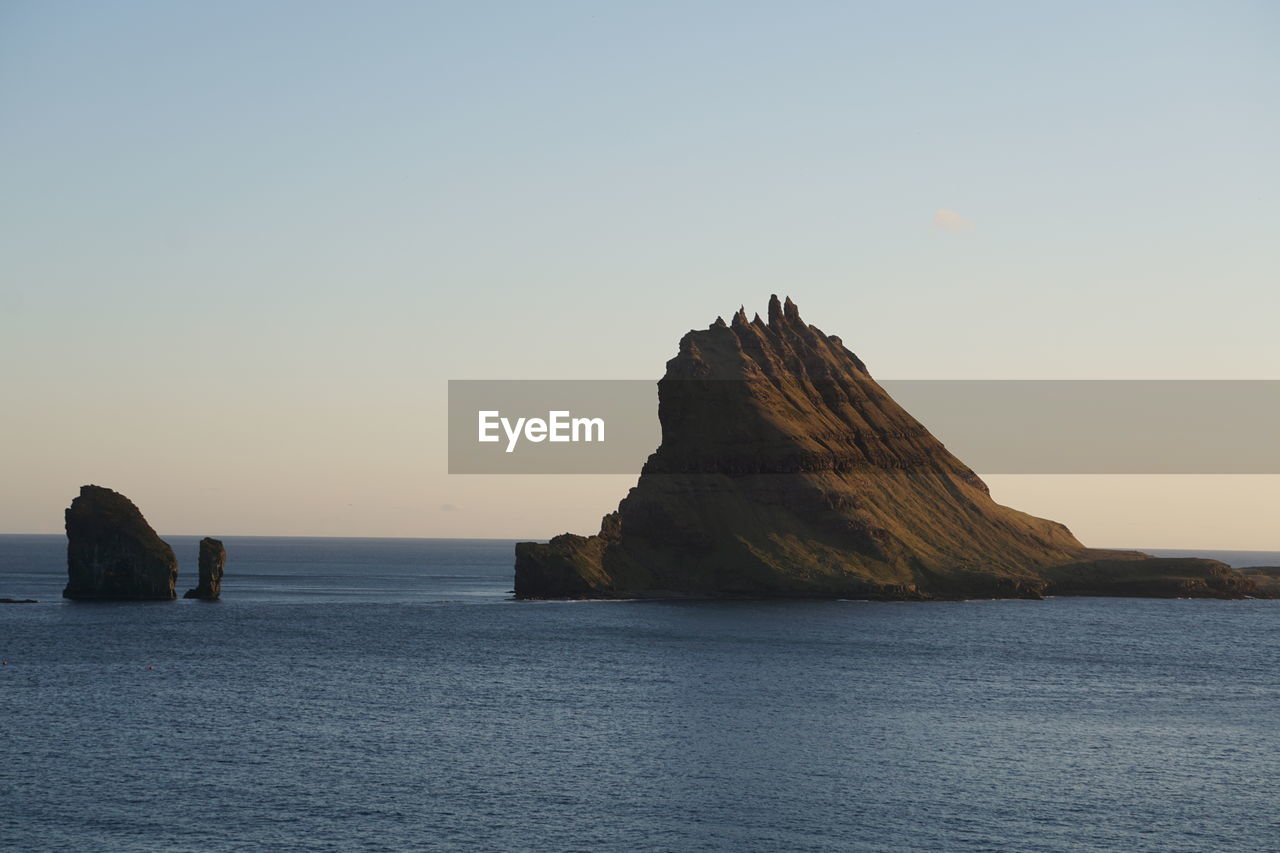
point(112, 553)
point(213, 557)
point(785, 470)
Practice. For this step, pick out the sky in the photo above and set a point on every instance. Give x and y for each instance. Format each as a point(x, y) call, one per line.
point(244, 245)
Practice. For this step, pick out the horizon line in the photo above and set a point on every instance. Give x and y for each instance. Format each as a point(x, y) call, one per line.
point(545, 539)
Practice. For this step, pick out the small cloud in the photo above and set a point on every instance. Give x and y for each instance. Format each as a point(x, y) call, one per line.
point(448, 507)
point(950, 221)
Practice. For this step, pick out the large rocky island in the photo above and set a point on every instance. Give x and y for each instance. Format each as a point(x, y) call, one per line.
point(113, 554)
point(785, 470)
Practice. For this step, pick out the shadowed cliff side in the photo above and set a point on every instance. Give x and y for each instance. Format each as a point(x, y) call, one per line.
point(112, 553)
point(785, 470)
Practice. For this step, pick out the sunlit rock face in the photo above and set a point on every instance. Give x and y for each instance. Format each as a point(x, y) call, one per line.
point(785, 470)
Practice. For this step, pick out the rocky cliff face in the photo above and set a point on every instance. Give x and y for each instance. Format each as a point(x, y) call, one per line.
point(213, 557)
point(1265, 578)
point(786, 470)
point(112, 553)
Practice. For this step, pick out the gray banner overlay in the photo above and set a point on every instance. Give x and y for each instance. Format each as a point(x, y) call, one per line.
point(994, 426)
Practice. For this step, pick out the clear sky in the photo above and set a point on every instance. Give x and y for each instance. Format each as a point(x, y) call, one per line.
point(243, 245)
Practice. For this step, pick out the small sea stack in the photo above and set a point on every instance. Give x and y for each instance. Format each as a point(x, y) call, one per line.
point(213, 557)
point(113, 554)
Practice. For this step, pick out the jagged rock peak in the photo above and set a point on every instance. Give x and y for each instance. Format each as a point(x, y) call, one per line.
point(719, 323)
point(775, 310)
point(783, 313)
point(113, 553)
point(740, 319)
point(790, 310)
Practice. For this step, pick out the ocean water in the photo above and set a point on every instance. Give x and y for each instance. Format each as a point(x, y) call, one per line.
point(386, 695)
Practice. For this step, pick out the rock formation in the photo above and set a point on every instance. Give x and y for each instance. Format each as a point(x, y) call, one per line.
point(1155, 577)
point(1266, 578)
point(112, 553)
point(785, 470)
point(212, 558)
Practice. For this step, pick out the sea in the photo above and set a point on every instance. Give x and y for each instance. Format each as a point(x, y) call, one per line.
point(389, 695)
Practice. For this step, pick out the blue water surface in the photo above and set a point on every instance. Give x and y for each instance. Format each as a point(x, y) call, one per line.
point(387, 695)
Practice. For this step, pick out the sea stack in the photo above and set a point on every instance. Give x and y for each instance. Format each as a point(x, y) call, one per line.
point(785, 470)
point(213, 556)
point(113, 554)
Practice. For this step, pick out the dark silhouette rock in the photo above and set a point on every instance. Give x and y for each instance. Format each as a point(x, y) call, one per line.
point(212, 559)
point(112, 553)
point(18, 601)
point(785, 470)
